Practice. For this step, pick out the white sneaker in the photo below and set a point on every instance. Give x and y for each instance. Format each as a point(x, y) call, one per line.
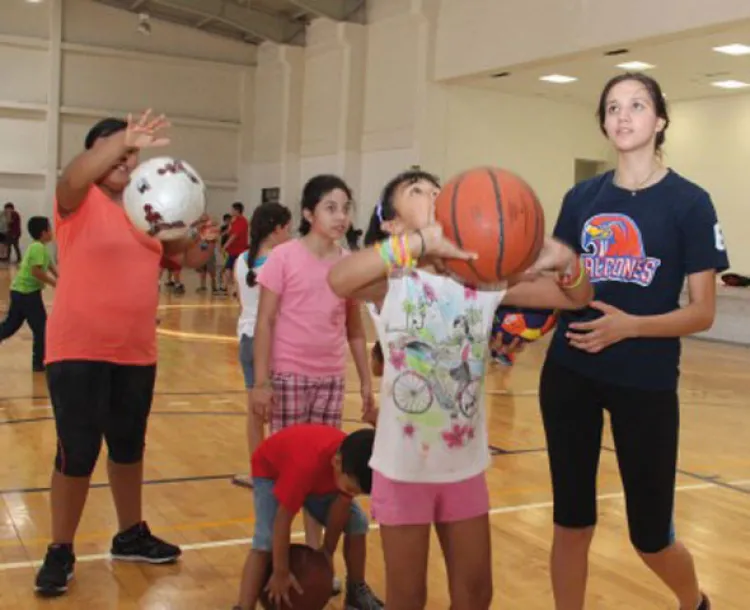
point(337, 587)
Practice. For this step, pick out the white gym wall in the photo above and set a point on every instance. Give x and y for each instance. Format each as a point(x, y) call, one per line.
point(369, 109)
point(67, 64)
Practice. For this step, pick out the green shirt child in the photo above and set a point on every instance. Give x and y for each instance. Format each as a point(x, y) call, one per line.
point(36, 256)
point(26, 305)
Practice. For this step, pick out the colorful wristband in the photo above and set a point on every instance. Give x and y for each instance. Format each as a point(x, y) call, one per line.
point(573, 280)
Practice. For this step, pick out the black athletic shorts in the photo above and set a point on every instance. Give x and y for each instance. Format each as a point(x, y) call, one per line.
point(645, 428)
point(95, 400)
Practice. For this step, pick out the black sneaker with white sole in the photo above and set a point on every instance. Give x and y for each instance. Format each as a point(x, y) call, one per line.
point(139, 544)
point(56, 571)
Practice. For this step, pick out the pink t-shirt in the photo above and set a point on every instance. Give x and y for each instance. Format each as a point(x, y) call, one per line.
point(310, 333)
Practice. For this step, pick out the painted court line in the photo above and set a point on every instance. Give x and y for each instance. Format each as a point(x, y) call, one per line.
point(215, 544)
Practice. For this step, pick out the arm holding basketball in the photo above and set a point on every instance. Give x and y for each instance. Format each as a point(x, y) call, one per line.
point(281, 579)
point(539, 290)
point(338, 515)
point(91, 165)
point(366, 268)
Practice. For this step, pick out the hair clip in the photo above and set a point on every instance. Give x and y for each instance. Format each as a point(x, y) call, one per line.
point(379, 210)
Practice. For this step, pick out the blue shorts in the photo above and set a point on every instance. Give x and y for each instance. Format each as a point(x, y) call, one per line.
point(246, 360)
point(318, 506)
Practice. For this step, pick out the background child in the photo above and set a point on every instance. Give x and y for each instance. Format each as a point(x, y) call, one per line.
point(174, 274)
point(26, 304)
point(323, 469)
point(303, 327)
point(269, 226)
point(430, 449)
point(236, 244)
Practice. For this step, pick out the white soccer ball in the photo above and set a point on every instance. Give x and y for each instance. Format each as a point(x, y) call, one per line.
point(164, 197)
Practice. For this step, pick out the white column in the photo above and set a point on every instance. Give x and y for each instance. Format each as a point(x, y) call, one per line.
point(54, 66)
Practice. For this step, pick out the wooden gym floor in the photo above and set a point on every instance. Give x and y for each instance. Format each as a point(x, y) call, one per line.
point(197, 442)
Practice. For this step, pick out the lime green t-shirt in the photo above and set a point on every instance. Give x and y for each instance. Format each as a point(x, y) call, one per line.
point(36, 255)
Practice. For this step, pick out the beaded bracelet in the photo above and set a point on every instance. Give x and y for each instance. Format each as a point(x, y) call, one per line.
point(395, 252)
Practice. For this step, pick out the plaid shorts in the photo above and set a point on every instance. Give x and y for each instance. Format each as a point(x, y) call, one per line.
point(299, 399)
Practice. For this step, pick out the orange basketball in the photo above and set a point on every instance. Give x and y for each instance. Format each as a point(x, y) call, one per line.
point(495, 214)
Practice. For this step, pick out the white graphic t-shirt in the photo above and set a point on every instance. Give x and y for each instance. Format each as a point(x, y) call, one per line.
point(434, 333)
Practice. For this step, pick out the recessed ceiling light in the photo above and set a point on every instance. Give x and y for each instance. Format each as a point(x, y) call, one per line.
point(559, 79)
point(730, 84)
point(635, 65)
point(733, 49)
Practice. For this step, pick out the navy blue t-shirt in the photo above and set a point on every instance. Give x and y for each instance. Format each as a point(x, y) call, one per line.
point(637, 248)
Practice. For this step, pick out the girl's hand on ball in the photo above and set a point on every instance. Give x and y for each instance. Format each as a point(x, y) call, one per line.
point(144, 133)
point(438, 246)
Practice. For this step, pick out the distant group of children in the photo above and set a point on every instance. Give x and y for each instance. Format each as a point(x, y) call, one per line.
point(234, 232)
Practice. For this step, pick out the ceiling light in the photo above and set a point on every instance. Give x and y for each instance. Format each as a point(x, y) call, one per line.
point(635, 65)
point(730, 84)
point(733, 49)
point(559, 79)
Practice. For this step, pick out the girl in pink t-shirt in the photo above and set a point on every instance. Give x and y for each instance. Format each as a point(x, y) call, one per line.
point(303, 328)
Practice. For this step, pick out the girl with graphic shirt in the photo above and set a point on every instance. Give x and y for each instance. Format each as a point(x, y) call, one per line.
point(640, 229)
point(430, 449)
point(269, 227)
point(302, 327)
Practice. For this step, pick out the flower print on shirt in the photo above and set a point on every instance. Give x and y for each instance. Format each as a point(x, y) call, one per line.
point(437, 351)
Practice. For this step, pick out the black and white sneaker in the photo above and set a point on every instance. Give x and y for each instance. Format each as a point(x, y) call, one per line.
point(139, 544)
point(360, 597)
point(56, 571)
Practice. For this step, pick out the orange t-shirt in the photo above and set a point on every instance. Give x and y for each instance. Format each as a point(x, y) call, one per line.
point(105, 303)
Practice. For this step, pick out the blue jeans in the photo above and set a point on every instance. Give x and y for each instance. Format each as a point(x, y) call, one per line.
point(318, 506)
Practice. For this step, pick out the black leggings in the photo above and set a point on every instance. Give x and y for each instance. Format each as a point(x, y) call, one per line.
point(27, 308)
point(94, 400)
point(645, 428)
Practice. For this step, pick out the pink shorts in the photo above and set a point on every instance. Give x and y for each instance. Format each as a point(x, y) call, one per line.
point(306, 400)
point(403, 503)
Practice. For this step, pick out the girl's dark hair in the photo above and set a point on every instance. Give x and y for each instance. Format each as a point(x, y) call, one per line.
point(104, 129)
point(314, 191)
point(264, 221)
point(384, 209)
point(654, 92)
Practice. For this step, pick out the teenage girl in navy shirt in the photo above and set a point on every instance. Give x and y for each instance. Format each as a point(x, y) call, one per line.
point(641, 230)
